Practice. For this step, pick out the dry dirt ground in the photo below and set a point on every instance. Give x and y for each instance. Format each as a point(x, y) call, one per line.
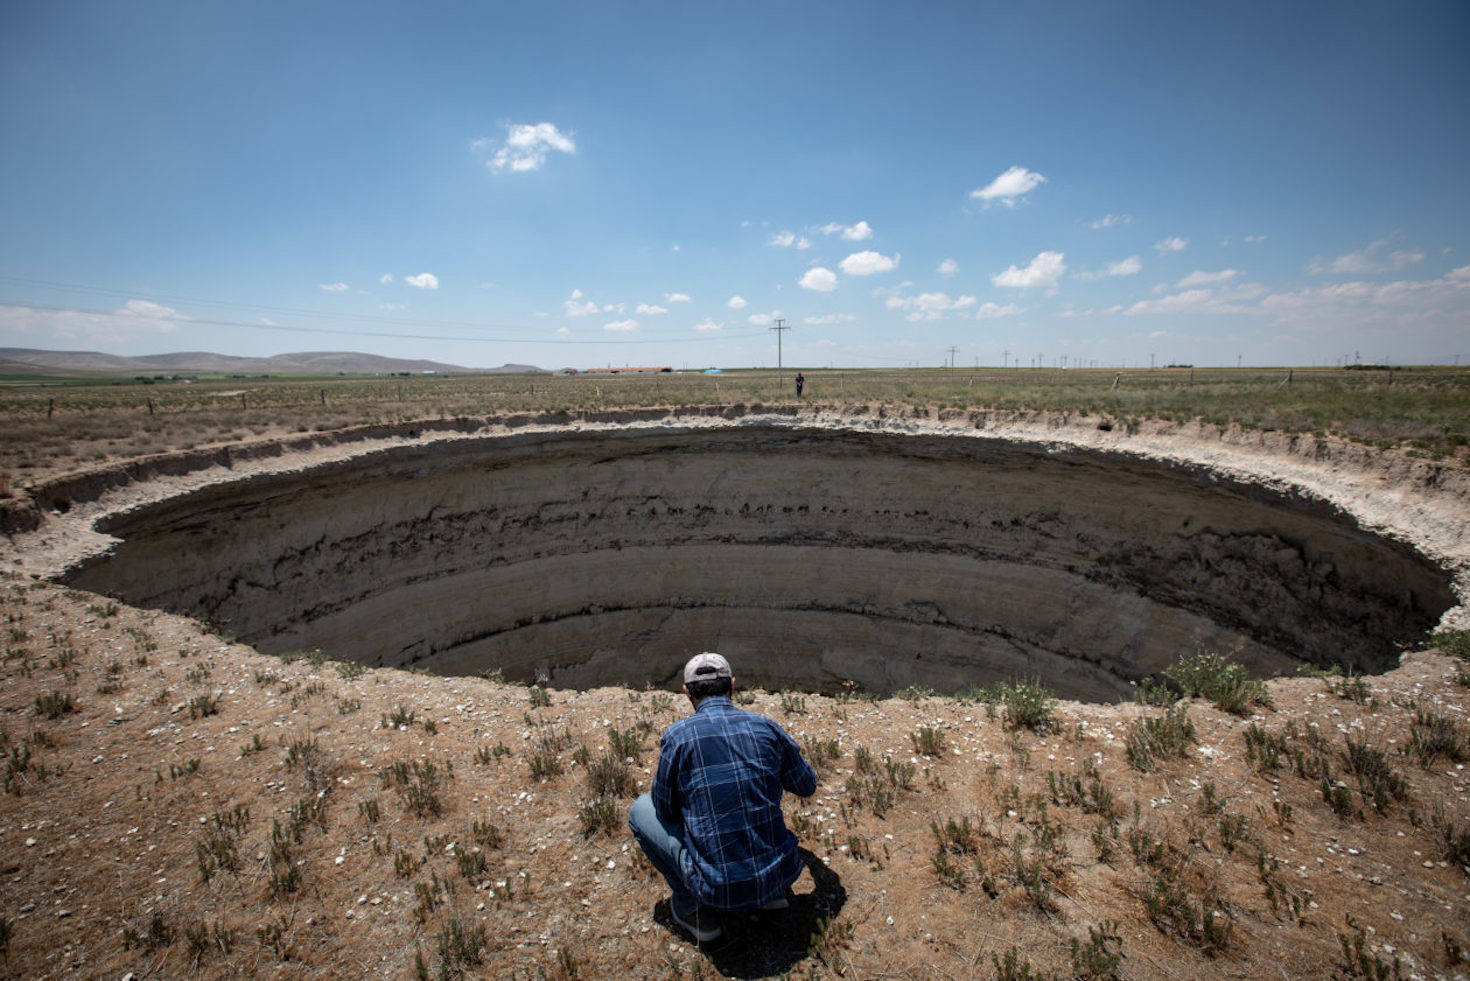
point(178, 805)
point(198, 809)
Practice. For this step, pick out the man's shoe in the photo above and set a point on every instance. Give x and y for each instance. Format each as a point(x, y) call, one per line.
point(702, 924)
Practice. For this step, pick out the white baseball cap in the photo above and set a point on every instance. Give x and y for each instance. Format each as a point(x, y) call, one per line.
point(703, 667)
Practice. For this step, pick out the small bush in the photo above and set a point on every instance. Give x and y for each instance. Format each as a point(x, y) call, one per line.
point(601, 815)
point(610, 776)
point(203, 705)
point(1099, 958)
point(1014, 967)
point(1264, 750)
point(1360, 962)
point(461, 946)
point(1175, 911)
point(1432, 735)
point(1454, 642)
point(351, 670)
point(821, 753)
point(401, 718)
point(1378, 783)
point(1028, 706)
point(486, 755)
point(928, 741)
point(54, 704)
point(1151, 692)
point(1219, 680)
point(1151, 739)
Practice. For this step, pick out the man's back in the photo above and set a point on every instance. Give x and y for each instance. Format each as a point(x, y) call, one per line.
point(721, 773)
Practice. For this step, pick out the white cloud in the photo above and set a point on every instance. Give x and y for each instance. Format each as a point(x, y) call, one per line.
point(829, 319)
point(1435, 304)
point(706, 325)
point(852, 233)
point(948, 267)
point(1190, 301)
point(787, 240)
point(867, 263)
point(1368, 261)
point(71, 328)
point(990, 311)
point(577, 307)
point(335, 287)
point(1108, 221)
point(1172, 244)
point(621, 325)
point(1044, 270)
point(1123, 267)
point(1201, 278)
point(650, 309)
point(424, 281)
point(1255, 238)
point(386, 278)
point(736, 303)
point(819, 278)
point(148, 310)
point(1009, 187)
point(929, 306)
point(1203, 300)
point(677, 297)
point(526, 146)
point(761, 319)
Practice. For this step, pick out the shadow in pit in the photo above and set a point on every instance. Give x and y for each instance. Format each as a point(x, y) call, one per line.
point(764, 943)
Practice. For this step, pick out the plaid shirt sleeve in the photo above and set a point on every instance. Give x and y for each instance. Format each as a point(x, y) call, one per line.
point(721, 773)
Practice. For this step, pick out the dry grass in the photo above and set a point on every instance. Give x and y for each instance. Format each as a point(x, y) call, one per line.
point(50, 430)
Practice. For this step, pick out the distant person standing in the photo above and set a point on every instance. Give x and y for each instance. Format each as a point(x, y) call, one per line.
point(712, 823)
point(800, 381)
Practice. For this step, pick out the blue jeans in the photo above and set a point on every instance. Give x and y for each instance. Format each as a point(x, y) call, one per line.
point(663, 843)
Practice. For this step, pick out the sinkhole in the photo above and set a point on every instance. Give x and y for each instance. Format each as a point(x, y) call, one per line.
point(813, 558)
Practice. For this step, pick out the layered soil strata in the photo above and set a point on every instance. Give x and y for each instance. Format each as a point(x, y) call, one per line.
point(816, 557)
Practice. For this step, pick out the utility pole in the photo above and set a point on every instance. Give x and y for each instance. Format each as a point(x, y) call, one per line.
point(780, 377)
point(952, 351)
point(1005, 359)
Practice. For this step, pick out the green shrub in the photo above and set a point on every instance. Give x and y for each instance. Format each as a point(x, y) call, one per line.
point(1028, 705)
point(1455, 642)
point(54, 704)
point(1150, 739)
point(1220, 681)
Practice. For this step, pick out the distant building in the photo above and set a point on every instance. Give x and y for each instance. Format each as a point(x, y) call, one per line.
point(646, 370)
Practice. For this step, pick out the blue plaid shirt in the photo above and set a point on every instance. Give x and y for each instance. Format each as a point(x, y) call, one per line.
point(720, 775)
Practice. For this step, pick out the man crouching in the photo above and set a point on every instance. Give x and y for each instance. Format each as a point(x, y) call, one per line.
point(712, 824)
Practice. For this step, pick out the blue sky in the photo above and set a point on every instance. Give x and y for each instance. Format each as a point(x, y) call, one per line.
point(584, 184)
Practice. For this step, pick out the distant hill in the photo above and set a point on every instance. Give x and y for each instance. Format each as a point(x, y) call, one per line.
point(17, 360)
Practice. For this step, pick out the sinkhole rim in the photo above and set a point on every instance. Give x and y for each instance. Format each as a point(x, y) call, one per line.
point(1271, 483)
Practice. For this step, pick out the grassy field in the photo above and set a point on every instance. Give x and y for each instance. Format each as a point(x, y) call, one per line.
point(58, 426)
